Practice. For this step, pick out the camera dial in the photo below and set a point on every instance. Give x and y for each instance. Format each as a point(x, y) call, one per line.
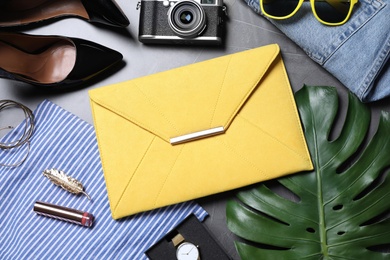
point(187, 18)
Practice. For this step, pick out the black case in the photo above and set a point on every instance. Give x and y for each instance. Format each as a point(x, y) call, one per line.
point(193, 231)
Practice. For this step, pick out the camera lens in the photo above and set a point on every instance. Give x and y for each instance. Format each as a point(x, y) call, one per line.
point(187, 19)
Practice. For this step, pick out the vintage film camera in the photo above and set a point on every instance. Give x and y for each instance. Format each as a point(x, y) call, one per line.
point(182, 21)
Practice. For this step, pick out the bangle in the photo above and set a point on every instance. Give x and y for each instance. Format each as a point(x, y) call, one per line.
point(28, 131)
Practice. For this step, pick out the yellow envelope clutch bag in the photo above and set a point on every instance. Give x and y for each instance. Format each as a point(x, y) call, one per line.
point(198, 130)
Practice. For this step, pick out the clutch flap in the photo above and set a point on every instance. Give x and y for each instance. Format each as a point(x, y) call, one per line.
point(189, 102)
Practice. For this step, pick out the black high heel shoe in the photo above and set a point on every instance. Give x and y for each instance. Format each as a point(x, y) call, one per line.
point(25, 12)
point(52, 61)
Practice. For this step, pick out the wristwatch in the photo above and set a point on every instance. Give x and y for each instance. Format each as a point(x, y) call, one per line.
point(185, 250)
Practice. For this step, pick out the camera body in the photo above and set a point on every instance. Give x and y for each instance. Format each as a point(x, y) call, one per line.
point(182, 22)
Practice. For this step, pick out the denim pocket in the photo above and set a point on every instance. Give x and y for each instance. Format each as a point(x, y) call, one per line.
point(336, 36)
point(359, 54)
point(320, 41)
point(356, 53)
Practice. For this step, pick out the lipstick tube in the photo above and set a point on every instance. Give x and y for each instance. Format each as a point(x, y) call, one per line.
point(67, 214)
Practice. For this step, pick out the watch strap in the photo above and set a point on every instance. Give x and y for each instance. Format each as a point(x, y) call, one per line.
point(176, 240)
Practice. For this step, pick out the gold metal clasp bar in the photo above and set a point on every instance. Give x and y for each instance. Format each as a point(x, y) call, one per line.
point(197, 135)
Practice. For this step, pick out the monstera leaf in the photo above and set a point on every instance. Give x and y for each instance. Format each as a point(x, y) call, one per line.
point(339, 210)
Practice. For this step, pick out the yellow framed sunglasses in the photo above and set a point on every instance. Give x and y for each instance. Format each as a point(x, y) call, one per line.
point(329, 12)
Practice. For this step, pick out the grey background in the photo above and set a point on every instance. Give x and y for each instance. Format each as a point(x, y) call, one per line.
point(245, 30)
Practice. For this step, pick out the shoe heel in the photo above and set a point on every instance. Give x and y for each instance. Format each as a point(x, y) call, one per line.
point(106, 12)
point(99, 11)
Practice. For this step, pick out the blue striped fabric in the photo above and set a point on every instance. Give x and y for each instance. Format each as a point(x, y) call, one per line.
point(63, 141)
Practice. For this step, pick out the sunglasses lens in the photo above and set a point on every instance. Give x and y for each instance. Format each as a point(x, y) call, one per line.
point(279, 8)
point(332, 11)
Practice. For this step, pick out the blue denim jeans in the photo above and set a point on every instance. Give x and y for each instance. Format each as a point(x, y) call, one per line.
point(356, 53)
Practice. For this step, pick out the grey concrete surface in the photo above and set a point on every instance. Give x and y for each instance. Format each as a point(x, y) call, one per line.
point(245, 30)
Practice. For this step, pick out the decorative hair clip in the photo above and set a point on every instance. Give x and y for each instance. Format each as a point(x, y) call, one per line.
point(65, 181)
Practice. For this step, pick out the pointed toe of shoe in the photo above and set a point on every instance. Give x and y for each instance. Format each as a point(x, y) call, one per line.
point(91, 60)
point(62, 62)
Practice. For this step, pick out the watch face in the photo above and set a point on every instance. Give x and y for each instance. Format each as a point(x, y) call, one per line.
point(187, 251)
